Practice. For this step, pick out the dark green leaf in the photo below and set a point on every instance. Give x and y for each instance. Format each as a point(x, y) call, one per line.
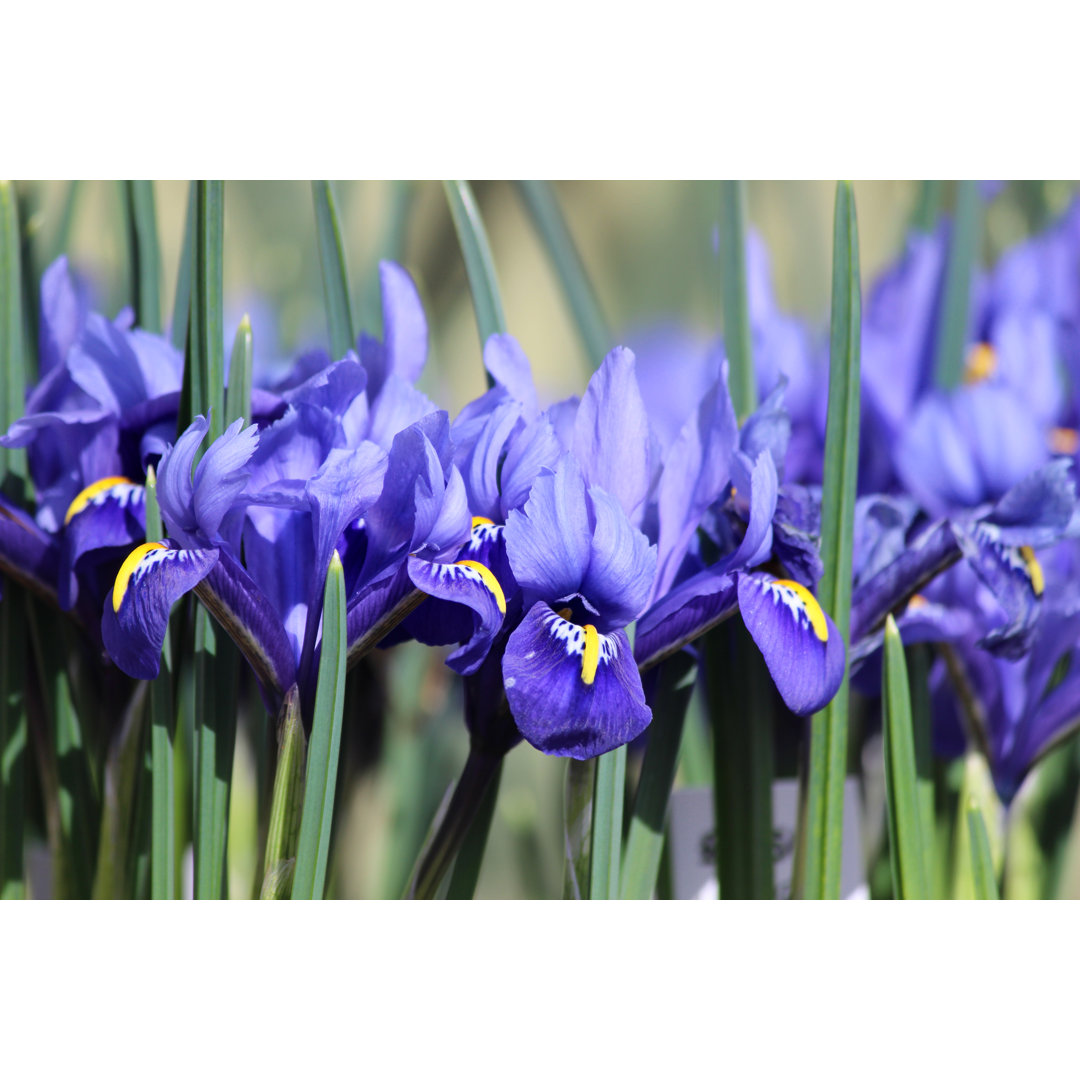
point(144, 255)
point(901, 779)
point(737, 339)
point(955, 324)
point(335, 274)
point(829, 728)
point(313, 848)
point(287, 801)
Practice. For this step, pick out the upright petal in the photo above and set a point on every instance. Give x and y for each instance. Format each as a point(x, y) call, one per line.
point(611, 433)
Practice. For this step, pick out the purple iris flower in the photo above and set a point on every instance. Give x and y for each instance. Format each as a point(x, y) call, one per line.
point(315, 480)
point(722, 483)
point(1014, 711)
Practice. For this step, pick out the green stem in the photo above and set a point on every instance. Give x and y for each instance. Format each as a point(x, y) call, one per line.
point(466, 872)
point(955, 322)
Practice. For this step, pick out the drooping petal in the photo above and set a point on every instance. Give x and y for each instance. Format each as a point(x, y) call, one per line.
point(572, 691)
point(27, 553)
point(153, 577)
point(108, 514)
point(800, 643)
point(1037, 510)
point(611, 433)
point(691, 608)
point(1016, 579)
point(467, 583)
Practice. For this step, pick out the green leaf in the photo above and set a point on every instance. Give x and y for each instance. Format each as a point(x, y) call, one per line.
point(451, 827)
point(737, 339)
point(609, 796)
point(924, 217)
point(645, 842)
point(466, 872)
point(982, 864)
point(62, 234)
point(955, 324)
point(163, 851)
point(918, 661)
point(314, 845)
point(741, 701)
point(829, 728)
point(13, 470)
point(181, 312)
point(238, 392)
point(479, 264)
point(389, 245)
point(335, 274)
point(287, 802)
point(543, 207)
point(207, 306)
point(144, 255)
point(112, 879)
point(577, 825)
point(901, 779)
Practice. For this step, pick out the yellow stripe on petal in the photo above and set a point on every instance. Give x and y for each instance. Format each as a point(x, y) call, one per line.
point(481, 521)
point(128, 568)
point(811, 607)
point(590, 656)
point(489, 579)
point(1034, 570)
point(981, 364)
point(82, 500)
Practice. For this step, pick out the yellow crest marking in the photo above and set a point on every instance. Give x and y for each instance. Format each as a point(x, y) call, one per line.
point(82, 500)
point(810, 605)
point(481, 521)
point(981, 364)
point(917, 601)
point(489, 579)
point(128, 568)
point(590, 656)
point(1034, 570)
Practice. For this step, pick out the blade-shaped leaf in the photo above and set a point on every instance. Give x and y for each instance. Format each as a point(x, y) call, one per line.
point(287, 802)
point(335, 274)
point(609, 795)
point(238, 392)
point(982, 864)
point(737, 339)
point(955, 321)
point(901, 779)
point(645, 842)
point(313, 848)
point(479, 264)
point(144, 255)
point(828, 728)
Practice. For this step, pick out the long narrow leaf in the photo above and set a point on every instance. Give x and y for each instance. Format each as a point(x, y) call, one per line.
point(606, 849)
point(645, 842)
point(287, 802)
point(829, 728)
point(13, 723)
point(238, 392)
point(924, 218)
point(543, 206)
point(145, 255)
point(162, 729)
point(466, 872)
point(955, 321)
point(313, 849)
point(577, 827)
point(918, 660)
point(335, 274)
point(901, 779)
point(479, 264)
point(181, 312)
point(982, 864)
point(737, 340)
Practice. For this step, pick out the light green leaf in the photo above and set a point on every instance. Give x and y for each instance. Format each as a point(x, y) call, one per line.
point(335, 274)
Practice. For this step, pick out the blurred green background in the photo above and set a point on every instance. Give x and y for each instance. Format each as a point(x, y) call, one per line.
point(649, 248)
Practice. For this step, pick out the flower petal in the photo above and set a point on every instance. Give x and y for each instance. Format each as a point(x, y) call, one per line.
point(573, 692)
point(152, 578)
point(800, 643)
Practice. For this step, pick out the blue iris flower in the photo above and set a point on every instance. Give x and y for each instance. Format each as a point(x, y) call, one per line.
point(316, 480)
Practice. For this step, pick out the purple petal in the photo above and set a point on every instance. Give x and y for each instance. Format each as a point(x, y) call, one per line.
point(508, 365)
point(800, 643)
point(572, 692)
point(222, 474)
point(611, 433)
point(404, 325)
point(549, 543)
point(136, 616)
